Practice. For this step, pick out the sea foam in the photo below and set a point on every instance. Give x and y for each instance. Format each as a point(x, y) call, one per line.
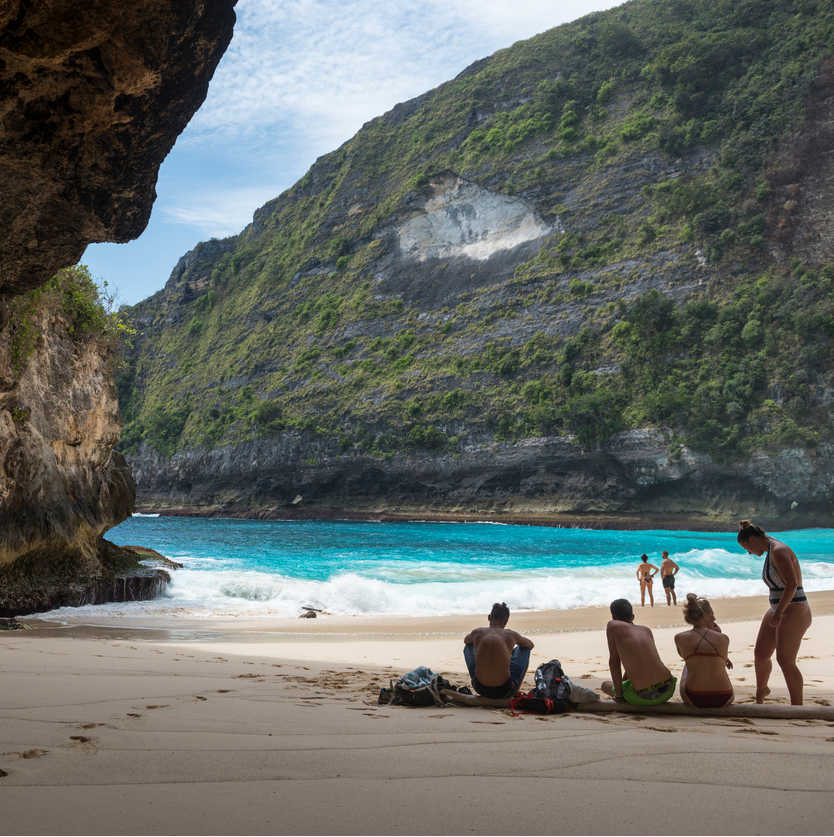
point(262, 568)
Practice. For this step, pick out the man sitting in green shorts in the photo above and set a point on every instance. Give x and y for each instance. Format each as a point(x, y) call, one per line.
point(647, 681)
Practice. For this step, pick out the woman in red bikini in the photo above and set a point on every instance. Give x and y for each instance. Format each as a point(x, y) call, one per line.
point(704, 682)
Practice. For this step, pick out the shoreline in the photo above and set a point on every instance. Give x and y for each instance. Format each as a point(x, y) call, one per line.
point(343, 627)
point(591, 520)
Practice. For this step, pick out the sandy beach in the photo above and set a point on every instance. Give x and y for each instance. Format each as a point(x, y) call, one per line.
point(240, 726)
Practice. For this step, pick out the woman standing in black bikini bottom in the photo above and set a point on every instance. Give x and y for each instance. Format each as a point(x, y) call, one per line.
point(789, 616)
point(704, 682)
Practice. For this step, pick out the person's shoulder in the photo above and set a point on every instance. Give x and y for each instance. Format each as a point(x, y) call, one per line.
point(781, 549)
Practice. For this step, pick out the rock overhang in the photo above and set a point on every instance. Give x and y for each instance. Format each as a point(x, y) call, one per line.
point(90, 105)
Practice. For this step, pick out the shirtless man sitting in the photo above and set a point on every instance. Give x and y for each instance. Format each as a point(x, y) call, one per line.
point(496, 657)
point(647, 681)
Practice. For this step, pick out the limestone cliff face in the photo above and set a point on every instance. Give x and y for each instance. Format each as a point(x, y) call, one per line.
point(62, 481)
point(637, 475)
point(591, 275)
point(62, 484)
point(91, 102)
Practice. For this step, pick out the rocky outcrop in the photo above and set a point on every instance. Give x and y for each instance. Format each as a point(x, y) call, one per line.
point(62, 481)
point(49, 578)
point(90, 105)
point(463, 219)
point(637, 474)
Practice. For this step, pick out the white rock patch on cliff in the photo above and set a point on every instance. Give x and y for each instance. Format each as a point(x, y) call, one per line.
point(462, 219)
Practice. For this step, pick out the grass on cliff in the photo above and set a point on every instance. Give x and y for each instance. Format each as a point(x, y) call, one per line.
point(686, 101)
point(86, 310)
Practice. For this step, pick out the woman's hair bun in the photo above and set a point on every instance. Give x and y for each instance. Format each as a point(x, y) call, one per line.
point(695, 608)
point(746, 529)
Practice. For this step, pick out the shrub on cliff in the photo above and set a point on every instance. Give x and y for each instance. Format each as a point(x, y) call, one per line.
point(72, 295)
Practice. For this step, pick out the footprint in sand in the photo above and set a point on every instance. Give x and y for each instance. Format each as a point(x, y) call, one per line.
point(91, 725)
point(823, 702)
point(34, 753)
point(758, 731)
point(442, 715)
point(223, 691)
point(84, 742)
point(157, 706)
point(200, 697)
point(248, 676)
point(133, 715)
point(3, 772)
point(496, 723)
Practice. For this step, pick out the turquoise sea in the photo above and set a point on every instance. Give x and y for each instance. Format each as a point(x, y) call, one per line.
point(271, 568)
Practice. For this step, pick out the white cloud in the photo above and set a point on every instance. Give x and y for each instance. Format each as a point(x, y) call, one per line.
point(324, 67)
point(219, 213)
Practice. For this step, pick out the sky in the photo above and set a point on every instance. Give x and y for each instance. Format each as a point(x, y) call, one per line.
point(298, 79)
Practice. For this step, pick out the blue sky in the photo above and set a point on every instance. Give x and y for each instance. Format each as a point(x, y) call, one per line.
point(299, 78)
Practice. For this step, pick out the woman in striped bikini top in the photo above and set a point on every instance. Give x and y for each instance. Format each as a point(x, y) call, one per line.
point(789, 616)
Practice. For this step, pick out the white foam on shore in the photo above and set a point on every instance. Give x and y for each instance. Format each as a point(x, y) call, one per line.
point(143, 514)
point(204, 594)
point(211, 586)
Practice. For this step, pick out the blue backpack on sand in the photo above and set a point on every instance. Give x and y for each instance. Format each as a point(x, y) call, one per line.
point(420, 687)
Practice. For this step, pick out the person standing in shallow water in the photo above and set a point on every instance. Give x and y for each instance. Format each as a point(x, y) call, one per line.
point(646, 578)
point(789, 616)
point(668, 570)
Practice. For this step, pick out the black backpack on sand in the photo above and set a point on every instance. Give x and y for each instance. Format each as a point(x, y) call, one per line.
point(551, 694)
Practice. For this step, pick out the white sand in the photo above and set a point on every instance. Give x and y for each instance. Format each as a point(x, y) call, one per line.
point(278, 731)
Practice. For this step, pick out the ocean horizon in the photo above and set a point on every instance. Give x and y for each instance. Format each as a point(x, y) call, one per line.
point(237, 567)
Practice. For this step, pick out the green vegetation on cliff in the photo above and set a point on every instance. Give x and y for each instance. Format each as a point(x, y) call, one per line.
point(72, 293)
point(665, 143)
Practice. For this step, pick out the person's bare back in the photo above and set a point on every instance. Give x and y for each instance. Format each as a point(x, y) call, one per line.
point(496, 657)
point(646, 681)
point(634, 645)
point(493, 647)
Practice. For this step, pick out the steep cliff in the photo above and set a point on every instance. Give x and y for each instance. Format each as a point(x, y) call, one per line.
point(90, 104)
point(591, 275)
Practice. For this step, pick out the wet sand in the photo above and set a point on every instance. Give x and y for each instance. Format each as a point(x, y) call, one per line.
point(246, 727)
